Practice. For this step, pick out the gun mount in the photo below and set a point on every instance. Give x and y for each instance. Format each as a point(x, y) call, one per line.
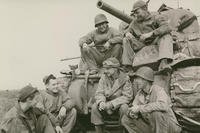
point(113, 11)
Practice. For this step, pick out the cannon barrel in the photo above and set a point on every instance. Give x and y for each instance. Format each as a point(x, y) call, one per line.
point(115, 12)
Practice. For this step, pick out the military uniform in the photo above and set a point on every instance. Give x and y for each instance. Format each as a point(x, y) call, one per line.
point(97, 54)
point(51, 104)
point(155, 23)
point(156, 115)
point(118, 92)
point(16, 121)
point(26, 120)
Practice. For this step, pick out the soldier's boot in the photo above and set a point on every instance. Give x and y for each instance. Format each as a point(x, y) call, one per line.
point(164, 67)
point(99, 128)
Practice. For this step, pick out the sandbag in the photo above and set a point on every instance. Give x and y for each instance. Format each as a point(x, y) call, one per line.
point(185, 91)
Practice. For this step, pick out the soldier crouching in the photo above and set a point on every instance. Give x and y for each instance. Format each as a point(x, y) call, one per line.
point(151, 111)
point(113, 94)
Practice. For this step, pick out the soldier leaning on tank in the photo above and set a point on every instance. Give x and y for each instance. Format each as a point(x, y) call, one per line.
point(113, 94)
point(147, 29)
point(102, 43)
point(22, 118)
point(151, 109)
point(58, 105)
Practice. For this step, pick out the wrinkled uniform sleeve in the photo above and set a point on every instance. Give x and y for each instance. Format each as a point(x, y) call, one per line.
point(161, 103)
point(67, 101)
point(116, 36)
point(127, 95)
point(89, 38)
point(52, 118)
point(10, 126)
point(99, 95)
point(162, 24)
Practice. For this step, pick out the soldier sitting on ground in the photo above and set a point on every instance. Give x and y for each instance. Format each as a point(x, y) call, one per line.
point(58, 105)
point(102, 43)
point(113, 94)
point(147, 29)
point(151, 109)
point(22, 118)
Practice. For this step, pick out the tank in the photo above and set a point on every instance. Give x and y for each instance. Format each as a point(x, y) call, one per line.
point(182, 84)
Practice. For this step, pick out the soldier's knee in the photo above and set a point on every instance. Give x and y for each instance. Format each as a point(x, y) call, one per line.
point(123, 108)
point(43, 118)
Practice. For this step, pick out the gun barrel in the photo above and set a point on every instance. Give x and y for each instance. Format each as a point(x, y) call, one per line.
point(72, 58)
point(115, 12)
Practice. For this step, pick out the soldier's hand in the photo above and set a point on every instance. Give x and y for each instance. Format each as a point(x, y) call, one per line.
point(59, 129)
point(102, 106)
point(143, 37)
point(107, 45)
point(128, 35)
point(108, 106)
point(135, 109)
point(62, 112)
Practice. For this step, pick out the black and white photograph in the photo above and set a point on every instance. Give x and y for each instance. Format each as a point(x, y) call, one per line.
point(99, 66)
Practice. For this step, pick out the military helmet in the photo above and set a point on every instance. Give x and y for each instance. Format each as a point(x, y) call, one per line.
point(111, 62)
point(138, 4)
point(145, 73)
point(26, 91)
point(100, 18)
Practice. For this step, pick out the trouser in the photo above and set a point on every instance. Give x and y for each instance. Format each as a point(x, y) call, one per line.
point(93, 58)
point(97, 116)
point(132, 45)
point(43, 125)
point(67, 123)
point(157, 122)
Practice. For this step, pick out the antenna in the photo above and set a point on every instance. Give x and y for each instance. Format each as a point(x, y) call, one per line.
point(178, 4)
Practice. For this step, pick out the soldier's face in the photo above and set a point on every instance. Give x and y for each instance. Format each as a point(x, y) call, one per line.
point(53, 86)
point(140, 83)
point(140, 14)
point(110, 71)
point(102, 27)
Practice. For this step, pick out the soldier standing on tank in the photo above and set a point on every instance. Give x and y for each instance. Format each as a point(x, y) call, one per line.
point(113, 94)
point(22, 118)
point(151, 109)
point(147, 29)
point(102, 43)
point(58, 105)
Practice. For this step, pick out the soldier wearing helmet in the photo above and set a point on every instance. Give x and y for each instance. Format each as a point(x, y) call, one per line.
point(100, 44)
point(22, 118)
point(151, 109)
point(147, 29)
point(113, 94)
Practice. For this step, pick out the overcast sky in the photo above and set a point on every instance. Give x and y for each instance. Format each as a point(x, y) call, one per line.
point(36, 34)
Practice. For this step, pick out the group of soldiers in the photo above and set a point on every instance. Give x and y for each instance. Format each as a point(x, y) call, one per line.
point(142, 106)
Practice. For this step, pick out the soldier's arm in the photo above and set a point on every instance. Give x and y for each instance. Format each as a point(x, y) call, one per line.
point(116, 36)
point(88, 39)
point(67, 101)
point(99, 94)
point(10, 126)
point(127, 95)
point(161, 103)
point(162, 24)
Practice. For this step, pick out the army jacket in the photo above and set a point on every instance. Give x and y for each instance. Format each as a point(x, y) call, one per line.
point(156, 23)
point(156, 100)
point(14, 121)
point(118, 92)
point(51, 104)
point(113, 36)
